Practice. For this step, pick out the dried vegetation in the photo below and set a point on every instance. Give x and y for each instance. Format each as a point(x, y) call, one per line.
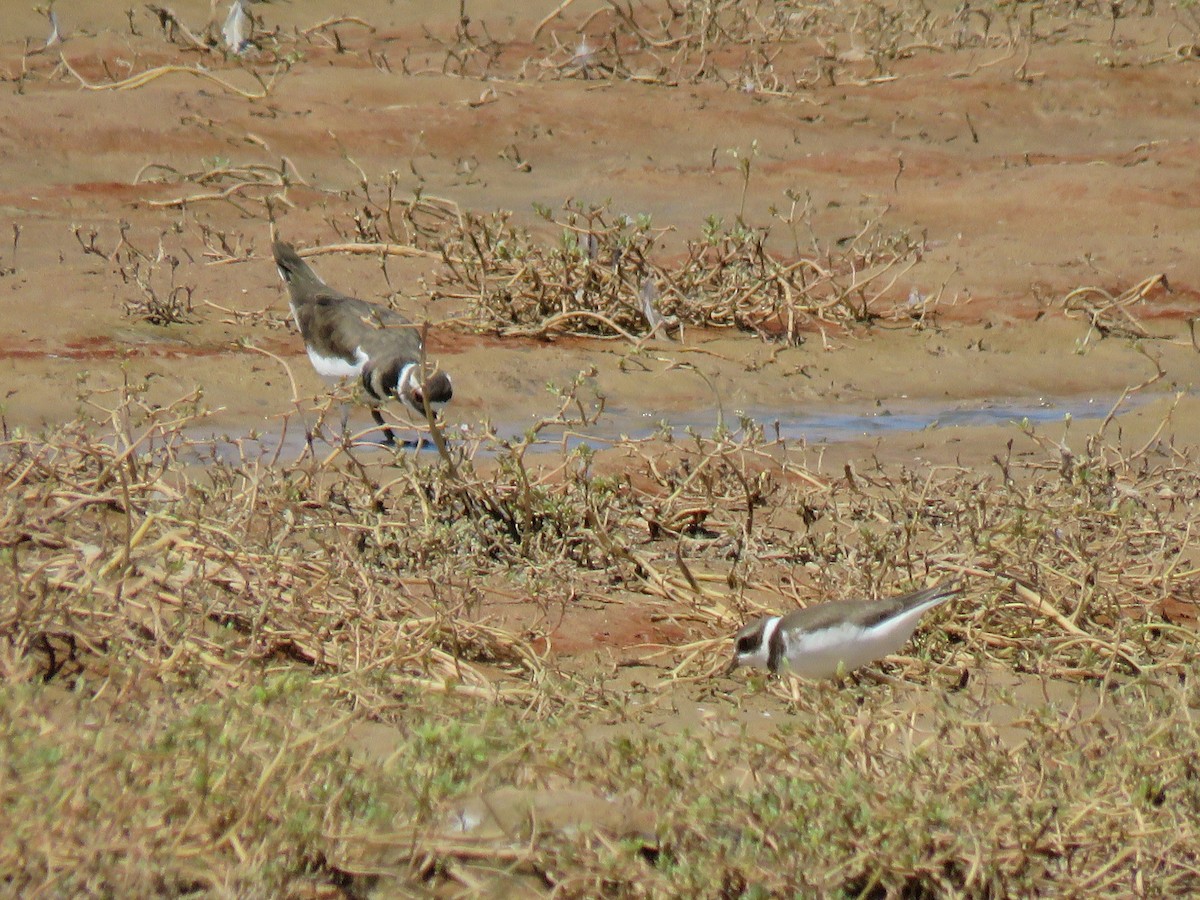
point(590, 269)
point(601, 278)
point(195, 635)
point(199, 637)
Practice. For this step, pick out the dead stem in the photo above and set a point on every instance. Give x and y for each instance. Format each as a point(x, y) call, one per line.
point(144, 78)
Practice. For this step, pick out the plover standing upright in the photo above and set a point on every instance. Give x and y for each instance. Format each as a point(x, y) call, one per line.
point(828, 639)
point(348, 337)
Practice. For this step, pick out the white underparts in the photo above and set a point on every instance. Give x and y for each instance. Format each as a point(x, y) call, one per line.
point(335, 366)
point(822, 653)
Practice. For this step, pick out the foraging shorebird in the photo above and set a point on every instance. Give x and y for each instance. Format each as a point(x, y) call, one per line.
point(830, 639)
point(347, 337)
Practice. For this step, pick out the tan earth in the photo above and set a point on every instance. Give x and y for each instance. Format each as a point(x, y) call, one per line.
point(1026, 177)
point(1082, 172)
point(1024, 171)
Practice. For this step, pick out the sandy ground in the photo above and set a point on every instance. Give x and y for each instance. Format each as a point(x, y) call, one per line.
point(1027, 178)
point(1025, 173)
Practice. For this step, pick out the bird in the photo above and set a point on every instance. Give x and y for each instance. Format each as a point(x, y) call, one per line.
point(347, 337)
point(831, 639)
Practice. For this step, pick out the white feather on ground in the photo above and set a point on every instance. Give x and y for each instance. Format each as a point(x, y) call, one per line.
point(235, 27)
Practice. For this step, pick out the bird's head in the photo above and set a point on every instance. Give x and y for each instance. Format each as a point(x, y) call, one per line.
point(436, 390)
point(752, 645)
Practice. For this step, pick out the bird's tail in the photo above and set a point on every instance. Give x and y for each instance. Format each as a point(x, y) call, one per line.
point(932, 596)
point(294, 271)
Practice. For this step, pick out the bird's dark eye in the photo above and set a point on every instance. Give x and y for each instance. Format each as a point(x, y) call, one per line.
point(745, 645)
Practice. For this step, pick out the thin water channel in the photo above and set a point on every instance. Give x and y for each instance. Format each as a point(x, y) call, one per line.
point(814, 424)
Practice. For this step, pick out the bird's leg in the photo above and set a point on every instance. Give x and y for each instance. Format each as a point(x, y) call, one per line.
point(345, 420)
point(388, 437)
point(878, 677)
point(794, 689)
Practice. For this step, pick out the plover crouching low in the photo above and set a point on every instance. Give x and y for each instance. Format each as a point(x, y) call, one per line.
point(347, 337)
point(829, 639)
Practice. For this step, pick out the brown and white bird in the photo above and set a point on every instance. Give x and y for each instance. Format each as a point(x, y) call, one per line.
point(829, 639)
point(347, 337)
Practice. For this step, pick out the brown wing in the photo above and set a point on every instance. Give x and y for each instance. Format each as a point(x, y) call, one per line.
point(343, 324)
point(866, 613)
point(387, 335)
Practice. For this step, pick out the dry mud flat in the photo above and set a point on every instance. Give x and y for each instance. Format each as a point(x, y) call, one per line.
point(257, 667)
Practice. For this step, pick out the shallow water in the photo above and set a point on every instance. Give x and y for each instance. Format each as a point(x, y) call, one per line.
point(814, 425)
point(821, 425)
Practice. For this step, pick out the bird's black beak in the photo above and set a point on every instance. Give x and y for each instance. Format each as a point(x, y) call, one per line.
point(418, 403)
point(731, 668)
